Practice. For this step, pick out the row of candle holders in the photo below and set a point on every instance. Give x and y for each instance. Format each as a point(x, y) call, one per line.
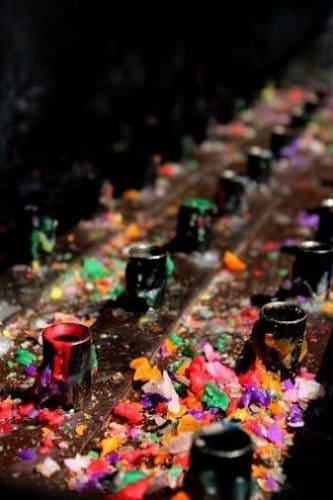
point(221, 456)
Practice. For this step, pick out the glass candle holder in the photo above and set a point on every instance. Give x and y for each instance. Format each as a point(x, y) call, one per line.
point(230, 193)
point(146, 274)
point(224, 457)
point(69, 354)
point(194, 224)
point(259, 164)
point(278, 336)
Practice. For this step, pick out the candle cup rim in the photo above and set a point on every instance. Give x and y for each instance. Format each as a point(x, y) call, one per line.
point(265, 153)
point(315, 246)
point(279, 129)
point(259, 152)
point(231, 175)
point(51, 335)
point(327, 202)
point(297, 111)
point(236, 453)
point(227, 174)
point(144, 251)
point(278, 306)
point(255, 150)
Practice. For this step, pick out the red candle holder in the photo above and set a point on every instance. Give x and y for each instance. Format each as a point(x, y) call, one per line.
point(69, 354)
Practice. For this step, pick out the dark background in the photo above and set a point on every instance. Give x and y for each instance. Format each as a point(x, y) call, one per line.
point(89, 91)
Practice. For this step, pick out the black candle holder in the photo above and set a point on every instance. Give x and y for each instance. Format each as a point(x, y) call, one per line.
point(280, 138)
point(259, 164)
point(146, 275)
point(310, 276)
point(69, 359)
point(278, 336)
point(151, 169)
point(194, 225)
point(299, 118)
point(321, 95)
point(325, 228)
point(230, 193)
point(312, 269)
point(220, 458)
point(311, 104)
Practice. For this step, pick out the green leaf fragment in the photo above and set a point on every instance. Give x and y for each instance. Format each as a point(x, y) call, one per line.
point(179, 388)
point(282, 273)
point(273, 256)
point(130, 477)
point(213, 397)
point(92, 269)
point(116, 291)
point(192, 350)
point(24, 357)
point(152, 436)
point(93, 361)
point(177, 340)
point(222, 343)
point(170, 266)
point(175, 366)
point(175, 471)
